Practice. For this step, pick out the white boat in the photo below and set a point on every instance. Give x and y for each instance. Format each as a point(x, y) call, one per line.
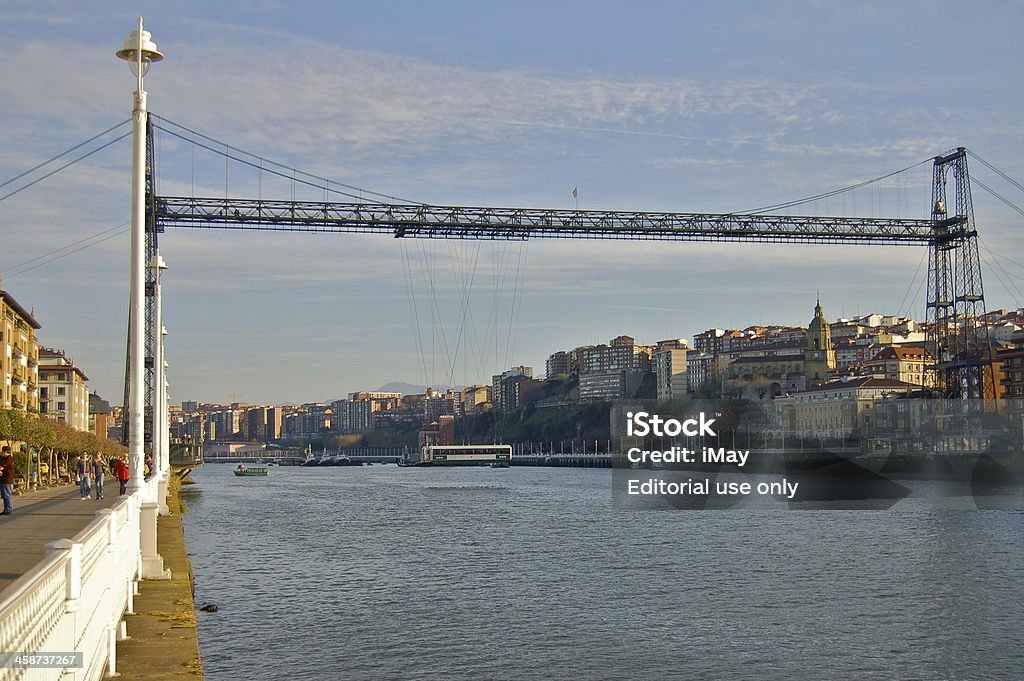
point(464, 455)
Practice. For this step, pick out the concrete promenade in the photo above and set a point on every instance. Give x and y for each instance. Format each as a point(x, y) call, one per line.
point(41, 517)
point(163, 641)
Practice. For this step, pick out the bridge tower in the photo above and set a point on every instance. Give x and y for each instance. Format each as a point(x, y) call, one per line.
point(151, 334)
point(957, 337)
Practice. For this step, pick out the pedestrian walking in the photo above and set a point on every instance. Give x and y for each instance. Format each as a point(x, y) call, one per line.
point(98, 466)
point(122, 472)
point(6, 479)
point(83, 468)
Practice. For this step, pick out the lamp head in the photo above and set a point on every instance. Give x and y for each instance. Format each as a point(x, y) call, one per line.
point(133, 45)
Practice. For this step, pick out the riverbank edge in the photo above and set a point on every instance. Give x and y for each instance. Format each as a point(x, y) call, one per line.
point(163, 639)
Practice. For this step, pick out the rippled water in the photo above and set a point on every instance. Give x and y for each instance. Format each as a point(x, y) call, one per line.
point(532, 573)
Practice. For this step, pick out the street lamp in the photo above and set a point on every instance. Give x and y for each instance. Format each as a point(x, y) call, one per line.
point(139, 51)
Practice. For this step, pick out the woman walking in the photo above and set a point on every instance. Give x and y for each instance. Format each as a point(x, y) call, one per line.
point(97, 474)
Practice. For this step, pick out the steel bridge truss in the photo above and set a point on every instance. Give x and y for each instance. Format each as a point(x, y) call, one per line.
point(955, 296)
point(451, 222)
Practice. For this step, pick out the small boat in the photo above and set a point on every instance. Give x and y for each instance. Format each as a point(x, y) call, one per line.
point(245, 472)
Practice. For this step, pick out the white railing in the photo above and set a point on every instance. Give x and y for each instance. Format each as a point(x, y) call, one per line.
point(76, 598)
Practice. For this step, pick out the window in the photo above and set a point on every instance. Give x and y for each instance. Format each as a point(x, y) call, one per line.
point(60, 390)
point(60, 406)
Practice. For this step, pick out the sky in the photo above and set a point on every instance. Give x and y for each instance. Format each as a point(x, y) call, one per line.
point(643, 106)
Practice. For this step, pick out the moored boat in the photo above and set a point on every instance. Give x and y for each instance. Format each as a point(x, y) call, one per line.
point(464, 455)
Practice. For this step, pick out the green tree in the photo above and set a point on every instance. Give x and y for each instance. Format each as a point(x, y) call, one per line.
point(54, 443)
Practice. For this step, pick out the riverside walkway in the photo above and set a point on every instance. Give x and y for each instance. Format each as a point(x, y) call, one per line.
point(40, 517)
point(162, 641)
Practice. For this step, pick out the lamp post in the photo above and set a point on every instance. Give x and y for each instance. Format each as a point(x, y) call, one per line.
point(139, 51)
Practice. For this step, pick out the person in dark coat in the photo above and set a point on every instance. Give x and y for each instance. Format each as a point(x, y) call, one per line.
point(83, 467)
point(7, 479)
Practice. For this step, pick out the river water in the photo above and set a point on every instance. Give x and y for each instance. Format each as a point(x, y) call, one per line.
point(382, 572)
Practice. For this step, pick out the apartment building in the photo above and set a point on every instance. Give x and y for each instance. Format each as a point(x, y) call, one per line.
point(670, 369)
point(63, 393)
point(19, 356)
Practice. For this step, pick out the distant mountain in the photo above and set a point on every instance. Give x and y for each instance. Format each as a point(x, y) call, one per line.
point(404, 388)
point(409, 388)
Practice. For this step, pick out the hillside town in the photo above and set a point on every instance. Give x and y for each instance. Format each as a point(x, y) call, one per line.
point(798, 370)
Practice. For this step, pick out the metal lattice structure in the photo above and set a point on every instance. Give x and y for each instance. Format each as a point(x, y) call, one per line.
point(152, 249)
point(957, 337)
point(955, 296)
point(459, 222)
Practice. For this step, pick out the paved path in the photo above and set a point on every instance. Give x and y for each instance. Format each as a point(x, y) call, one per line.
point(163, 641)
point(41, 517)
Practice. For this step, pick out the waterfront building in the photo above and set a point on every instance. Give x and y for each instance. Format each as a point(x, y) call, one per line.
point(838, 409)
point(63, 393)
point(514, 388)
point(439, 432)
point(379, 401)
point(620, 354)
point(234, 450)
point(559, 364)
point(100, 416)
point(437, 404)
point(902, 363)
point(1011, 372)
point(710, 342)
point(476, 399)
point(605, 386)
point(854, 352)
point(765, 368)
point(225, 423)
point(352, 416)
point(612, 371)
point(670, 369)
point(19, 356)
point(275, 419)
point(701, 369)
point(254, 424)
point(307, 421)
point(197, 428)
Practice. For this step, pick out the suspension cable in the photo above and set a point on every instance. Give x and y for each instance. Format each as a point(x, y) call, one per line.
point(117, 231)
point(65, 153)
point(995, 170)
point(834, 192)
point(284, 169)
point(66, 165)
point(994, 193)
